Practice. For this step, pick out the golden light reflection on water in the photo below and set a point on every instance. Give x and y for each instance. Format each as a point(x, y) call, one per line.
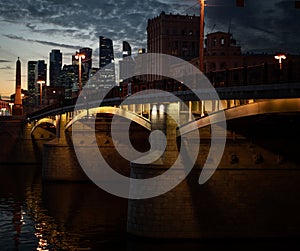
point(50, 236)
point(42, 243)
point(55, 216)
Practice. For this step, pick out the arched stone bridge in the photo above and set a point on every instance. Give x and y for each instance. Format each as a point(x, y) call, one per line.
point(250, 177)
point(272, 106)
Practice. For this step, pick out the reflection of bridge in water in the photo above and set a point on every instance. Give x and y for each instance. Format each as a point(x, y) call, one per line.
point(258, 168)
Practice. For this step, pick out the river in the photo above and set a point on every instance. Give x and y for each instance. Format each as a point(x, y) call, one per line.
point(38, 215)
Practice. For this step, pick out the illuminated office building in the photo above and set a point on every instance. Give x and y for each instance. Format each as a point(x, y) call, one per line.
point(55, 66)
point(106, 63)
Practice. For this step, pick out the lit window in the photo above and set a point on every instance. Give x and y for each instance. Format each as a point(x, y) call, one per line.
point(214, 41)
point(222, 41)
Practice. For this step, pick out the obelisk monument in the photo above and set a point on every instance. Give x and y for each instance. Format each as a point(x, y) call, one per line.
point(18, 106)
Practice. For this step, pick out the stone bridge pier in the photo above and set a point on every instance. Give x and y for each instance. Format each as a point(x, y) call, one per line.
point(254, 192)
point(172, 214)
point(59, 158)
point(17, 144)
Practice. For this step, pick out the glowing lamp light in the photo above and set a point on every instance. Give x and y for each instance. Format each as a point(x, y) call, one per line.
point(280, 57)
point(161, 109)
point(79, 56)
point(154, 110)
point(41, 83)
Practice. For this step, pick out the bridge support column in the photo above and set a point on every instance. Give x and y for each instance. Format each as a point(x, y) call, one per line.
point(190, 111)
point(59, 158)
point(170, 215)
point(202, 108)
point(58, 126)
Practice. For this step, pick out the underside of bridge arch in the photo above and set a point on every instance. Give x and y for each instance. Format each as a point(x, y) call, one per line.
point(111, 111)
point(266, 107)
point(272, 126)
point(44, 128)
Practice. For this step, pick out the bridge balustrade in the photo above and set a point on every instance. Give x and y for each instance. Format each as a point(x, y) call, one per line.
point(255, 75)
point(242, 76)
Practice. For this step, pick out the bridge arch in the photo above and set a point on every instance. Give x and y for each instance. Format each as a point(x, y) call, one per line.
point(252, 109)
point(43, 121)
point(112, 110)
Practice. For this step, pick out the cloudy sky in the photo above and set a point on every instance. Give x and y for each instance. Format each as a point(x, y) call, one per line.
point(30, 29)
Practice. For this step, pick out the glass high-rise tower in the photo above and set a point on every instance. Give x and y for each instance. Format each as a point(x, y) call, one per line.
point(106, 59)
point(55, 66)
point(126, 64)
point(126, 49)
point(31, 76)
point(106, 51)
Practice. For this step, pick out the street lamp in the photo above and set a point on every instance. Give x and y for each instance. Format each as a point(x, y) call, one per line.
point(79, 56)
point(41, 82)
point(280, 57)
point(239, 3)
point(201, 47)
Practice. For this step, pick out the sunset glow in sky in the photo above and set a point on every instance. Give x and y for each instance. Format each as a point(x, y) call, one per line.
point(30, 29)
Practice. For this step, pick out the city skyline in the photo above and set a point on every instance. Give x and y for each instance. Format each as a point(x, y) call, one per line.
point(31, 29)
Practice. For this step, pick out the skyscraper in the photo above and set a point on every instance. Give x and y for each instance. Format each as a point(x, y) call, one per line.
point(41, 72)
point(40, 80)
point(106, 51)
point(31, 77)
point(106, 59)
point(55, 66)
point(126, 49)
point(68, 77)
point(126, 64)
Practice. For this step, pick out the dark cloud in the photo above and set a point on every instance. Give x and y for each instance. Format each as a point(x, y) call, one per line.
point(122, 19)
point(34, 28)
point(15, 37)
point(261, 25)
point(4, 61)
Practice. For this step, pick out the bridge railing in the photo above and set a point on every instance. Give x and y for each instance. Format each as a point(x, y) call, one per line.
point(255, 75)
point(263, 74)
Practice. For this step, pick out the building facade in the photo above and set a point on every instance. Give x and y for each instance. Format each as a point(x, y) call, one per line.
point(40, 81)
point(31, 77)
point(106, 59)
point(68, 78)
point(221, 52)
point(176, 35)
point(126, 49)
point(127, 64)
point(106, 51)
point(55, 59)
point(41, 72)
